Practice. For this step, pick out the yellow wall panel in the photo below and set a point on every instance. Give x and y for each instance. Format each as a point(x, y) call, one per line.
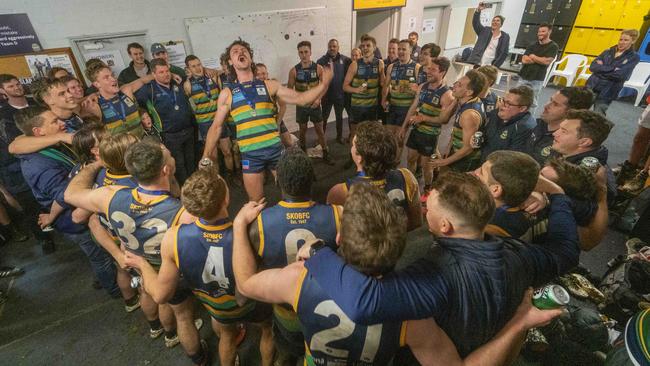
point(599, 41)
point(633, 12)
point(578, 40)
point(589, 13)
point(610, 13)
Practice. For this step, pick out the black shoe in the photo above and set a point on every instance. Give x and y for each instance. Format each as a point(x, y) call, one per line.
point(625, 173)
point(326, 158)
point(10, 271)
point(48, 247)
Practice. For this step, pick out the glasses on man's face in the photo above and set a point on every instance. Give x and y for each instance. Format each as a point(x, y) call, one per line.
point(508, 104)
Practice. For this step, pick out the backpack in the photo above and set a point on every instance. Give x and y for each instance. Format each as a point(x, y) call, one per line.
point(625, 285)
point(630, 211)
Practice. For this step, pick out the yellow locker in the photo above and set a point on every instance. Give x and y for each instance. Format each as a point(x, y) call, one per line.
point(633, 12)
point(589, 14)
point(599, 41)
point(614, 36)
point(610, 13)
point(578, 40)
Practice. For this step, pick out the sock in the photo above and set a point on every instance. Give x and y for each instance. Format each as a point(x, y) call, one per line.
point(132, 301)
point(154, 324)
point(171, 334)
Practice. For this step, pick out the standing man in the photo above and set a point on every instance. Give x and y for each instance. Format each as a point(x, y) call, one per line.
point(334, 95)
point(611, 69)
point(536, 60)
point(491, 47)
point(363, 80)
point(415, 49)
point(541, 139)
point(172, 114)
point(428, 52)
point(138, 67)
point(393, 45)
point(433, 106)
point(159, 51)
point(304, 76)
point(250, 103)
point(465, 156)
point(400, 84)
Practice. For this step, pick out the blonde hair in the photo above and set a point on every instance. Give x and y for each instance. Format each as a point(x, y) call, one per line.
point(633, 33)
point(112, 149)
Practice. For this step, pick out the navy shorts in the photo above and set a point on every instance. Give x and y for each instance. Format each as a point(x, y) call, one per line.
point(181, 294)
point(362, 114)
point(306, 114)
point(396, 116)
point(423, 143)
point(204, 127)
point(260, 313)
point(259, 160)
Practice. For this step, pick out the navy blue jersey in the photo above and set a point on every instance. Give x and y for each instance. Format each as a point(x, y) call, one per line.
point(203, 254)
point(73, 123)
point(490, 102)
point(141, 225)
point(306, 77)
point(331, 338)
point(511, 222)
point(429, 104)
point(399, 184)
point(105, 178)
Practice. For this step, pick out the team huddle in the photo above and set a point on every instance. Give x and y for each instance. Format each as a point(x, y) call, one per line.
point(510, 201)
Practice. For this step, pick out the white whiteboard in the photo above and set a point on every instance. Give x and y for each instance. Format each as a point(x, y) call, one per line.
point(273, 36)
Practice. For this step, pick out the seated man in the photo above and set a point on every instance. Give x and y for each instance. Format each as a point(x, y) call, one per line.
point(374, 152)
point(581, 135)
point(279, 231)
point(47, 172)
point(510, 177)
point(465, 271)
point(372, 239)
point(201, 252)
point(509, 127)
point(489, 98)
point(141, 216)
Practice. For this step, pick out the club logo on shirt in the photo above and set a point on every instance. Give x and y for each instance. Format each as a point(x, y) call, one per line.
point(313, 74)
point(175, 88)
point(375, 69)
point(128, 102)
point(237, 95)
point(546, 151)
point(410, 72)
point(435, 100)
point(261, 90)
point(504, 135)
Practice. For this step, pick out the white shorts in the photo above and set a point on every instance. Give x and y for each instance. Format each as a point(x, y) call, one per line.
point(644, 121)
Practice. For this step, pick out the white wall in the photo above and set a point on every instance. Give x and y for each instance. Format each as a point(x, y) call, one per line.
point(55, 21)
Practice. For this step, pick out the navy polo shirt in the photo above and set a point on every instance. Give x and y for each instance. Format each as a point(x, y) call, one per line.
point(161, 102)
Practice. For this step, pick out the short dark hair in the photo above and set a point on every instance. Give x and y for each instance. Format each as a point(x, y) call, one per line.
point(490, 72)
point(42, 87)
point(5, 78)
point(54, 70)
point(333, 40)
point(204, 193)
point(577, 181)
point(393, 40)
point(28, 118)
point(368, 37)
point(190, 58)
point(578, 97)
point(592, 125)
point(373, 230)
point(377, 147)
point(259, 64)
point(544, 25)
point(407, 42)
point(68, 78)
point(295, 173)
point(144, 160)
point(525, 94)
point(231, 68)
point(304, 44)
point(414, 33)
point(85, 139)
point(134, 45)
point(434, 49)
point(158, 62)
point(476, 82)
point(501, 17)
point(443, 63)
point(466, 196)
point(516, 172)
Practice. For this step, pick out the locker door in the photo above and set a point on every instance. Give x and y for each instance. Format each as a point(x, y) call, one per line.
point(599, 41)
point(578, 40)
point(610, 13)
point(523, 36)
point(561, 35)
point(531, 14)
point(588, 13)
point(632, 15)
point(547, 10)
point(566, 12)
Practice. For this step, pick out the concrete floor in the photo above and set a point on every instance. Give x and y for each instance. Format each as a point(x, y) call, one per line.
point(54, 317)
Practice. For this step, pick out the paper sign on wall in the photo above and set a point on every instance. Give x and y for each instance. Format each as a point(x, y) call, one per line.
point(412, 23)
point(112, 58)
point(177, 54)
point(429, 26)
point(40, 65)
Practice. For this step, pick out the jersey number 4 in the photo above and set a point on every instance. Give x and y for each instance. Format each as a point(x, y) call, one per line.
point(320, 341)
point(213, 270)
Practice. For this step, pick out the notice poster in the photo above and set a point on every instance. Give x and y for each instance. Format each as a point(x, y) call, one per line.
point(429, 25)
point(177, 54)
point(40, 65)
point(112, 58)
point(17, 35)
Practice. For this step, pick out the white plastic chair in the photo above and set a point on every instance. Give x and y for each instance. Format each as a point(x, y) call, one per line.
point(584, 74)
point(573, 63)
point(639, 80)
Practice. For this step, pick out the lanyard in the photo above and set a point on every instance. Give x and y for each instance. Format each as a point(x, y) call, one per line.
point(172, 96)
point(249, 96)
point(58, 156)
point(153, 192)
